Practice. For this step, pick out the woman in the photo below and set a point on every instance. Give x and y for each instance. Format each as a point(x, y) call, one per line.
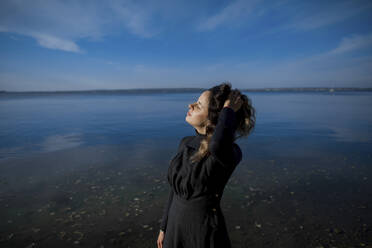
point(199, 171)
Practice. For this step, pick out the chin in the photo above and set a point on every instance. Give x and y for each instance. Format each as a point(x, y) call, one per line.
point(187, 120)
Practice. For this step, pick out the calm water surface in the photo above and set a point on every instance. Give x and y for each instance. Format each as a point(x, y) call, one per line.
point(89, 170)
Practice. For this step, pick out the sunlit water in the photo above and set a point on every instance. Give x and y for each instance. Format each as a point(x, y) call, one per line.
point(89, 170)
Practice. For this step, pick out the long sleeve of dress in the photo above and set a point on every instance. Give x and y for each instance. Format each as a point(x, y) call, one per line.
point(163, 225)
point(222, 142)
point(164, 220)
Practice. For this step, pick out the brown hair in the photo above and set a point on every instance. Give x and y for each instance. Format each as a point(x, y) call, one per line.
point(245, 117)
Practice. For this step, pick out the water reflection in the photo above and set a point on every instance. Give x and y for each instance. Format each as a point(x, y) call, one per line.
point(59, 142)
point(351, 135)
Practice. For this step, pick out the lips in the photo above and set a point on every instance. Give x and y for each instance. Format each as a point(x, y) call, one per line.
point(188, 113)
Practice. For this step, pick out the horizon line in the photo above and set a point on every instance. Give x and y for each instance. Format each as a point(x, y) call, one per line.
point(193, 89)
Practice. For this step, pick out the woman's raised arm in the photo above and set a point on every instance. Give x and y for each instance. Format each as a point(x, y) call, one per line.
point(222, 142)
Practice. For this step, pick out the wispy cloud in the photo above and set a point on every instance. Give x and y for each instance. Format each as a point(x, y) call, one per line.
point(330, 68)
point(352, 43)
point(61, 24)
point(134, 17)
point(288, 14)
point(52, 42)
point(54, 24)
point(232, 12)
point(312, 15)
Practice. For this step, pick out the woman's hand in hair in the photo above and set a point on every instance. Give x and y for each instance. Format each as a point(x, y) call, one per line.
point(233, 100)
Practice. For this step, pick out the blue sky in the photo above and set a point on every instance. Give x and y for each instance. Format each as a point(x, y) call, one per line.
point(78, 45)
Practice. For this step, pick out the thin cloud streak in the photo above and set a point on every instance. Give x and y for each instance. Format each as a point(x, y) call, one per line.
point(318, 16)
point(353, 43)
point(52, 42)
point(60, 24)
point(234, 11)
point(332, 67)
point(133, 17)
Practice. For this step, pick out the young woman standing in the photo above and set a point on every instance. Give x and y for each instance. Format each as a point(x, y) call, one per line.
point(198, 173)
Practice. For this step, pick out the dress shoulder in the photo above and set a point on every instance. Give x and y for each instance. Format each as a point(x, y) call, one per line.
point(183, 142)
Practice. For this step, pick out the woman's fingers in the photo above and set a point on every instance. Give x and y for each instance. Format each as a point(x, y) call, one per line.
point(235, 95)
point(234, 100)
point(160, 240)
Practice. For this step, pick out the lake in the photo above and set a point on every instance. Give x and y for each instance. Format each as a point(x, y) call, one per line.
point(89, 170)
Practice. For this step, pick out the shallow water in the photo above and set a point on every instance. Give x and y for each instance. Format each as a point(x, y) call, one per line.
point(90, 170)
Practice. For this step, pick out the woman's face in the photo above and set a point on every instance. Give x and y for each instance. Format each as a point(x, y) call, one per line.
point(197, 115)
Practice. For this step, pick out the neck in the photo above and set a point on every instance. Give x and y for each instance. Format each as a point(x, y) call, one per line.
point(200, 131)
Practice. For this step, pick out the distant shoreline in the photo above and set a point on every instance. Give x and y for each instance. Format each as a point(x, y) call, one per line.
point(189, 90)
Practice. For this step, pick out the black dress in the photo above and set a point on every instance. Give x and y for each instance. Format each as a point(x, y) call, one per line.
point(192, 216)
